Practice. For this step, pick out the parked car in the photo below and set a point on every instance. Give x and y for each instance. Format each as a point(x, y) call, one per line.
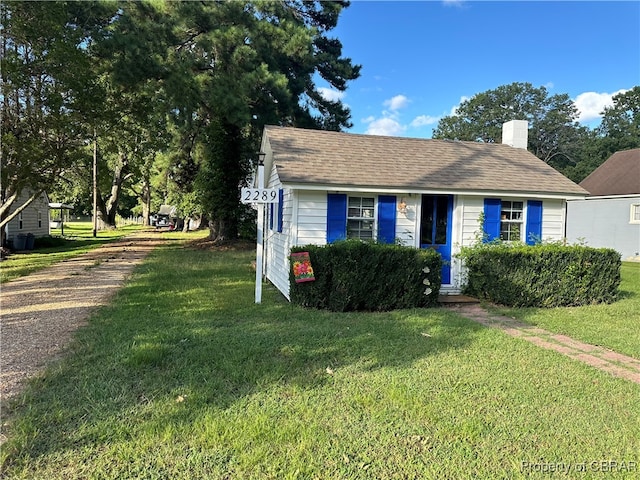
point(163, 221)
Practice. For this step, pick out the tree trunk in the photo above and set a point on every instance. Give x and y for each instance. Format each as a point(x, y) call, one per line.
point(222, 231)
point(110, 207)
point(146, 202)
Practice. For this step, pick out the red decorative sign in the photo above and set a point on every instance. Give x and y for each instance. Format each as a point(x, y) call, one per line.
point(302, 270)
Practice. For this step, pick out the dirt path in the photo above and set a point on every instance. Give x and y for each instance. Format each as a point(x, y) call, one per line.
point(40, 312)
point(612, 362)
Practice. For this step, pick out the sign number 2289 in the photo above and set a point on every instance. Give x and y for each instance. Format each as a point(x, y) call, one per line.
point(259, 195)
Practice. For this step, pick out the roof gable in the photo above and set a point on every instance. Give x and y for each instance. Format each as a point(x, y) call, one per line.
point(619, 175)
point(322, 157)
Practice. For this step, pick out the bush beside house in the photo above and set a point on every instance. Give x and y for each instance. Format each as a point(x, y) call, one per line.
point(542, 275)
point(353, 275)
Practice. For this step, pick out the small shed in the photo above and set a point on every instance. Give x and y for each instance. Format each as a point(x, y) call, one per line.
point(33, 221)
point(423, 193)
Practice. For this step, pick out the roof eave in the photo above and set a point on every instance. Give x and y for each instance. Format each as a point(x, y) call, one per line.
point(408, 189)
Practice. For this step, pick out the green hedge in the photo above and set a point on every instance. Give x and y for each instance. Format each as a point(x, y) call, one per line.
point(542, 275)
point(354, 275)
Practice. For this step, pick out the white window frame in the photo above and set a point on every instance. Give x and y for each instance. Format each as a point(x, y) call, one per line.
point(351, 233)
point(20, 221)
point(507, 218)
point(39, 219)
point(634, 213)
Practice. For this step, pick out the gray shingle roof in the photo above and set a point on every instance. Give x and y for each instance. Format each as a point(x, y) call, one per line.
point(320, 157)
point(619, 175)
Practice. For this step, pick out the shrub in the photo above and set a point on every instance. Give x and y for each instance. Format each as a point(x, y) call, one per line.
point(548, 275)
point(354, 275)
point(49, 241)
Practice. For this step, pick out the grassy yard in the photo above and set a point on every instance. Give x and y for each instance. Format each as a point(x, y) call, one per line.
point(78, 239)
point(184, 377)
point(615, 326)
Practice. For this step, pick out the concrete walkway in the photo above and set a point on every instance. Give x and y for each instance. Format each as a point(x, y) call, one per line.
point(607, 360)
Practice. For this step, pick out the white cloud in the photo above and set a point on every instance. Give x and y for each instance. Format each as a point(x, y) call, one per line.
point(385, 126)
point(424, 120)
point(396, 103)
point(591, 104)
point(454, 109)
point(331, 95)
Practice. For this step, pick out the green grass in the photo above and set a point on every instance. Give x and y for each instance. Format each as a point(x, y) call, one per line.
point(184, 377)
point(615, 326)
point(78, 239)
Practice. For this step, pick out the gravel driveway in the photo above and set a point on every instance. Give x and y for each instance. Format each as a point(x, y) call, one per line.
point(40, 312)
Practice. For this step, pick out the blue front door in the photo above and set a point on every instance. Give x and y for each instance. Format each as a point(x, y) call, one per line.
point(435, 229)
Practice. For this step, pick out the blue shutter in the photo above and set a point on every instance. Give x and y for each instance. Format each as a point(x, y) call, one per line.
point(336, 217)
point(534, 222)
point(271, 216)
point(386, 218)
point(280, 208)
point(492, 209)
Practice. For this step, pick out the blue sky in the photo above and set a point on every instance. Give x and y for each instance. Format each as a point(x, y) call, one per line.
point(420, 58)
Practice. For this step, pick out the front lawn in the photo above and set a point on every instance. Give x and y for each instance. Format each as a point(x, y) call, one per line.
point(615, 326)
point(184, 377)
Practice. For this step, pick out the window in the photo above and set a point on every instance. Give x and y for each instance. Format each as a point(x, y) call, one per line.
point(635, 213)
point(360, 218)
point(511, 221)
point(20, 221)
point(39, 219)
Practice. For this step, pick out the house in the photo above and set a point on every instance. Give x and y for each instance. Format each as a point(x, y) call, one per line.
point(34, 219)
point(610, 215)
point(423, 193)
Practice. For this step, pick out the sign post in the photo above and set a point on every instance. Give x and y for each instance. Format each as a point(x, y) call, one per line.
point(259, 196)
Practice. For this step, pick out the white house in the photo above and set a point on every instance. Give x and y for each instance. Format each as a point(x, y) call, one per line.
point(423, 193)
point(34, 219)
point(610, 216)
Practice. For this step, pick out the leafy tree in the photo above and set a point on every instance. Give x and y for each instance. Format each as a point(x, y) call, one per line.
point(250, 64)
point(554, 132)
point(620, 126)
point(197, 80)
point(46, 94)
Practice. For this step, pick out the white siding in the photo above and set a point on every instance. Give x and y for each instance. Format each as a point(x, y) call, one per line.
point(277, 244)
point(407, 223)
point(553, 220)
point(312, 218)
point(31, 222)
point(469, 211)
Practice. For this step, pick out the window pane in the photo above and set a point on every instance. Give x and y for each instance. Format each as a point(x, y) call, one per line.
point(426, 221)
point(360, 214)
point(442, 204)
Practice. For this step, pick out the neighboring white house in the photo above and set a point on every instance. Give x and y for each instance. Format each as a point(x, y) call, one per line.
point(34, 219)
point(610, 216)
point(422, 193)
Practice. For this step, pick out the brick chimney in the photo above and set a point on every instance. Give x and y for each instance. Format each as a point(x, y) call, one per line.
point(515, 133)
